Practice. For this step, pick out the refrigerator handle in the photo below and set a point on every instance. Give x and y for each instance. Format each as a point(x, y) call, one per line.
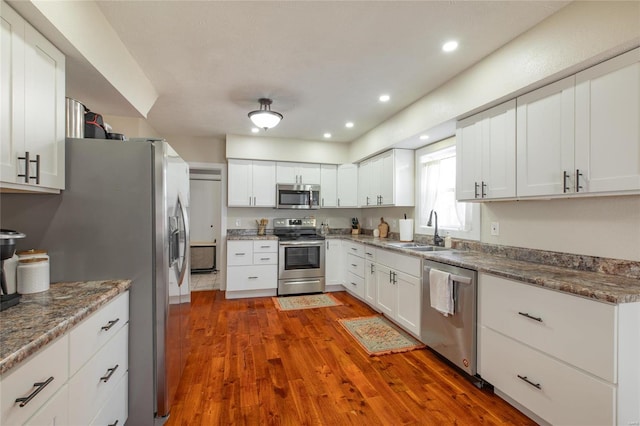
point(185, 221)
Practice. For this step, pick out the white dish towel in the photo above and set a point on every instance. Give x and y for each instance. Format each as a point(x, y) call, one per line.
point(441, 292)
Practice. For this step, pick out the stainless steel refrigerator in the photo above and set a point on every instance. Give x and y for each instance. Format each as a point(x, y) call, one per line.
point(123, 214)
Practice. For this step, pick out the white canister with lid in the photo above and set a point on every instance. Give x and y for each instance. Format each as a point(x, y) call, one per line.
point(33, 271)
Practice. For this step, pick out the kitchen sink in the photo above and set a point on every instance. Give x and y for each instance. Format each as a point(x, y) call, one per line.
point(406, 245)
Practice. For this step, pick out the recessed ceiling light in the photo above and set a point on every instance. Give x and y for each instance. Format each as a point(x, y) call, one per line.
point(255, 130)
point(450, 46)
point(384, 98)
point(327, 135)
point(424, 137)
point(348, 124)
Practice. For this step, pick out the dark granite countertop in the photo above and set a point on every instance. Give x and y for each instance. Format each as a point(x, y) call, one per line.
point(597, 286)
point(40, 318)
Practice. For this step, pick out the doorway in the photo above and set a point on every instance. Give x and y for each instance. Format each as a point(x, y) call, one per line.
point(206, 226)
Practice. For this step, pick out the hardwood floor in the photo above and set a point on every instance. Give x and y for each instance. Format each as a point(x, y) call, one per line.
point(254, 365)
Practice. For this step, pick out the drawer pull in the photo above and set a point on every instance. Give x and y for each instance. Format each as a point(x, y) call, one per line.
point(113, 424)
point(354, 265)
point(110, 372)
point(253, 278)
point(264, 246)
point(368, 254)
point(354, 284)
point(240, 254)
point(39, 386)
point(524, 314)
point(354, 249)
point(109, 324)
point(264, 258)
point(535, 385)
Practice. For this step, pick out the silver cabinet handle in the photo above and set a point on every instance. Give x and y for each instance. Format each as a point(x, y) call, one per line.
point(322, 201)
point(239, 254)
point(475, 189)
point(535, 385)
point(483, 192)
point(354, 284)
point(264, 246)
point(578, 186)
point(253, 278)
point(264, 258)
point(110, 372)
point(524, 314)
point(39, 386)
point(27, 168)
point(109, 324)
point(113, 424)
point(254, 201)
point(372, 269)
point(354, 265)
point(338, 202)
point(354, 249)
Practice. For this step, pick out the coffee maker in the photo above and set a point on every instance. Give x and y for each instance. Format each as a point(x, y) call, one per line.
point(7, 250)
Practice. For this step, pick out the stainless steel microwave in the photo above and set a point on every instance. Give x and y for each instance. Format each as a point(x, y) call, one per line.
point(298, 196)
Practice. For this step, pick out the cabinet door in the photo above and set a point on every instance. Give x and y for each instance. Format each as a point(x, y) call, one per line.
point(334, 269)
point(385, 291)
point(386, 178)
point(545, 140)
point(240, 175)
point(468, 158)
point(499, 152)
point(409, 297)
point(607, 131)
point(55, 411)
point(309, 173)
point(44, 108)
point(12, 73)
point(364, 184)
point(328, 185)
point(370, 283)
point(264, 184)
point(286, 172)
point(347, 185)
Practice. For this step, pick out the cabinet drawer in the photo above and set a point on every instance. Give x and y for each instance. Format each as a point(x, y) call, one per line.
point(96, 380)
point(265, 246)
point(49, 363)
point(404, 263)
point(369, 253)
point(265, 258)
point(114, 411)
point(355, 284)
point(353, 248)
point(252, 278)
point(239, 253)
point(576, 330)
point(95, 331)
point(566, 396)
point(355, 265)
point(55, 411)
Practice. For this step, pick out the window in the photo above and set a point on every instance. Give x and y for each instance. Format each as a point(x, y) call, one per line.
point(436, 169)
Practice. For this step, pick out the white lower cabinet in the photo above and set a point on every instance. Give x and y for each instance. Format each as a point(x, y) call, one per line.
point(56, 387)
point(567, 359)
point(354, 269)
point(399, 288)
point(252, 268)
point(334, 269)
point(115, 410)
point(370, 283)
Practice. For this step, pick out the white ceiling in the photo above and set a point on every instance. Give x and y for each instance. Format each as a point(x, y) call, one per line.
point(322, 62)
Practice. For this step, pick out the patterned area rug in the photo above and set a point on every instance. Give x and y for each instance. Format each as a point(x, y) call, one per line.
point(305, 302)
point(378, 336)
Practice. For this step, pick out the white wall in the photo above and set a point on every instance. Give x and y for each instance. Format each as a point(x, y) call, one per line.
point(274, 149)
point(198, 149)
point(131, 127)
point(602, 226)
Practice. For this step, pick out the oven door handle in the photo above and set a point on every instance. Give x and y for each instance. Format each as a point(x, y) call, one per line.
point(302, 243)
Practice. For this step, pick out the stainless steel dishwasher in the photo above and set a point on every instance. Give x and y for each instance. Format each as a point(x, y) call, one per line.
point(453, 336)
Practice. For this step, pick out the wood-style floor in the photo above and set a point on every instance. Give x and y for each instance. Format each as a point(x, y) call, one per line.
point(251, 364)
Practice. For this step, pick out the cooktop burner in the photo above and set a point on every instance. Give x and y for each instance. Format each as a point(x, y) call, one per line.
point(296, 229)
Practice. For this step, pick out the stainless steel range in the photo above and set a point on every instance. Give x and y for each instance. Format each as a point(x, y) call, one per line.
point(301, 256)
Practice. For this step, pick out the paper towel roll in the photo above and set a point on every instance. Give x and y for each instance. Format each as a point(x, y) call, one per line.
point(406, 229)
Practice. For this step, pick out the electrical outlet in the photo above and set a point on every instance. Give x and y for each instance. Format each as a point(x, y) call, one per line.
point(238, 223)
point(495, 228)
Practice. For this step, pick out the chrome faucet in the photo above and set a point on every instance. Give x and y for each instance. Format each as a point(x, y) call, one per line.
point(437, 240)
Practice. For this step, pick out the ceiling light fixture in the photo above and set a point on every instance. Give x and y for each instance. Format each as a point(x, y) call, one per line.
point(384, 98)
point(327, 135)
point(254, 130)
point(348, 124)
point(450, 46)
point(424, 137)
point(264, 117)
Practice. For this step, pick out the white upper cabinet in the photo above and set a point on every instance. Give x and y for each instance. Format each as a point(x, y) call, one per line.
point(33, 113)
point(293, 173)
point(251, 183)
point(387, 179)
point(347, 185)
point(607, 140)
point(486, 153)
point(545, 140)
point(328, 185)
